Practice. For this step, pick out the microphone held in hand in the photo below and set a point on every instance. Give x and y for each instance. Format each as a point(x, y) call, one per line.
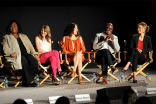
point(103, 39)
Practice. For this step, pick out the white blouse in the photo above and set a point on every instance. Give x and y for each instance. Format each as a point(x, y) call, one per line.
point(45, 45)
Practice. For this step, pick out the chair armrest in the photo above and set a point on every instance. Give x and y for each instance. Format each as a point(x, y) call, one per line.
point(86, 52)
point(65, 53)
point(1, 62)
point(151, 56)
point(125, 57)
point(117, 56)
point(8, 56)
point(89, 59)
point(93, 55)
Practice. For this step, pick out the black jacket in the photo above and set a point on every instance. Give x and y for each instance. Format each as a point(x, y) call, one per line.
point(147, 44)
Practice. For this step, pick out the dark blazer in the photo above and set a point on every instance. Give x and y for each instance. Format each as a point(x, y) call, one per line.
point(147, 43)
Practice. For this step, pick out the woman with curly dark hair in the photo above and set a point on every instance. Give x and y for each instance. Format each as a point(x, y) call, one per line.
point(73, 44)
point(18, 46)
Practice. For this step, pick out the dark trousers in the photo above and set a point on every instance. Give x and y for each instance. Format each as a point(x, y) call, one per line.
point(29, 67)
point(136, 58)
point(104, 58)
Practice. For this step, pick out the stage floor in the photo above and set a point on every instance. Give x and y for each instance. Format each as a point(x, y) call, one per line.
point(41, 94)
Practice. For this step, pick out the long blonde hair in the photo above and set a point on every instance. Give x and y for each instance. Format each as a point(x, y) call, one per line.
point(47, 29)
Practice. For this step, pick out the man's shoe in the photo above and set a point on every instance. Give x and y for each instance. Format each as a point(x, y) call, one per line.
point(104, 81)
point(114, 70)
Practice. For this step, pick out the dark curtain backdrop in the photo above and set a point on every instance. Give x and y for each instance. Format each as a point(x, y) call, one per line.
point(90, 15)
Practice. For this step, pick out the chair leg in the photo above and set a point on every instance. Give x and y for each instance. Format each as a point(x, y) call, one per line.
point(69, 73)
point(47, 76)
point(85, 77)
point(1, 85)
point(99, 73)
point(17, 83)
point(145, 76)
point(13, 74)
point(72, 79)
point(112, 75)
point(139, 70)
point(107, 73)
point(44, 79)
point(76, 74)
point(131, 75)
point(98, 79)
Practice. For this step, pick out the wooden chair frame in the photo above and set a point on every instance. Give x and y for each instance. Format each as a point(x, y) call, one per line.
point(140, 67)
point(118, 60)
point(70, 68)
point(7, 65)
point(2, 65)
point(45, 71)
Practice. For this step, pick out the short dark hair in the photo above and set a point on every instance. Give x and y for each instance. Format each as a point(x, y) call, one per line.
point(9, 25)
point(106, 25)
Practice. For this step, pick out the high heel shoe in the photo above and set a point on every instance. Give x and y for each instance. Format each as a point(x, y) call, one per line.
point(134, 81)
point(55, 81)
point(80, 80)
point(73, 73)
point(124, 71)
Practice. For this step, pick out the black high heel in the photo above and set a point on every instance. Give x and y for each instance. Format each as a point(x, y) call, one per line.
point(55, 81)
point(124, 71)
point(134, 81)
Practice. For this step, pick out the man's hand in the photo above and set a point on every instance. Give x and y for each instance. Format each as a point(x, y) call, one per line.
point(38, 59)
point(13, 55)
point(110, 35)
point(106, 39)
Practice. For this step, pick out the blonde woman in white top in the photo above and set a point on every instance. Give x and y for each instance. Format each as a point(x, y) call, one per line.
point(46, 55)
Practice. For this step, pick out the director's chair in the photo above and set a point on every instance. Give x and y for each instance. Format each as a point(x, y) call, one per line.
point(117, 60)
point(70, 67)
point(8, 65)
point(45, 69)
point(1, 85)
point(140, 68)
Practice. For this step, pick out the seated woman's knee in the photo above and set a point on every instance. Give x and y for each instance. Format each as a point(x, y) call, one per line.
point(34, 60)
point(78, 53)
point(55, 51)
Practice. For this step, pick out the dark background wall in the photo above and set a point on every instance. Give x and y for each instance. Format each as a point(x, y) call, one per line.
point(90, 15)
